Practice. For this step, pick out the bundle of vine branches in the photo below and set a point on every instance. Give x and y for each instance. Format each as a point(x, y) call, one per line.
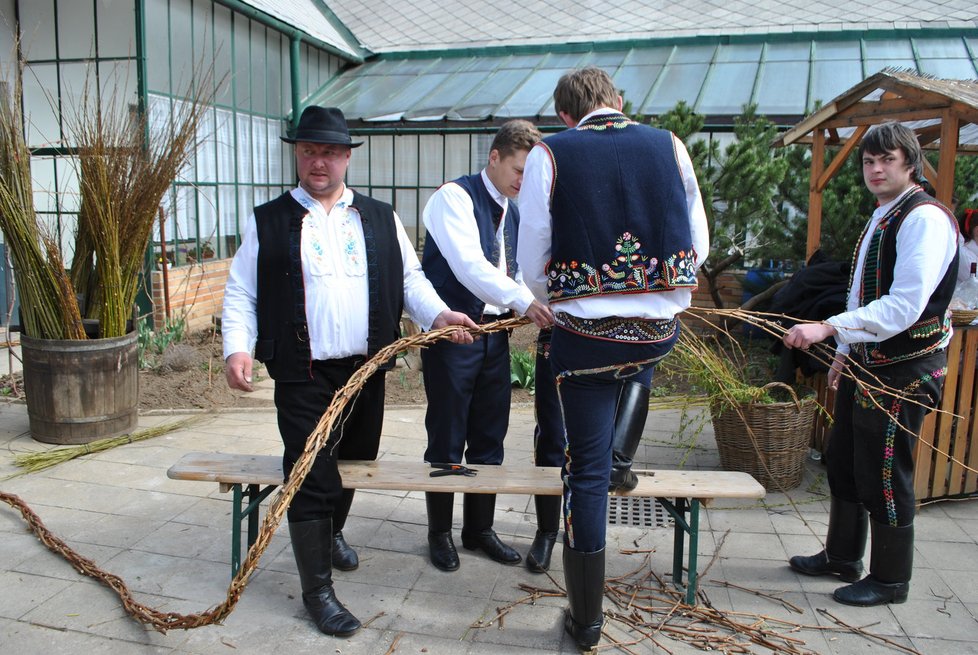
point(127, 163)
point(48, 305)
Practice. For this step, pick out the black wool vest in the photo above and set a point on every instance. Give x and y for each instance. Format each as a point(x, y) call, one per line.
point(283, 333)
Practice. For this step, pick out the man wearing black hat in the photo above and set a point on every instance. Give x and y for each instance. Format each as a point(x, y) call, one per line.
point(317, 288)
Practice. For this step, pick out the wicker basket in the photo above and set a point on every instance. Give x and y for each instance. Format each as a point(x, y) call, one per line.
point(781, 431)
point(963, 316)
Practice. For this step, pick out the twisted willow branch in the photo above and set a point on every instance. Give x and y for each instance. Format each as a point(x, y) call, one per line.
point(163, 621)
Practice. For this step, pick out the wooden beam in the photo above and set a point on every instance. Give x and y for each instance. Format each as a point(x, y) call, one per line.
point(948, 151)
point(930, 173)
point(889, 107)
point(840, 158)
point(908, 115)
point(815, 195)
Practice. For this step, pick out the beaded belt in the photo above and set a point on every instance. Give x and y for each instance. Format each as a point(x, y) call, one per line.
point(618, 328)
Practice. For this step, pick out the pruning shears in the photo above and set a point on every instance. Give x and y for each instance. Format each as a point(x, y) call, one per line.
point(452, 469)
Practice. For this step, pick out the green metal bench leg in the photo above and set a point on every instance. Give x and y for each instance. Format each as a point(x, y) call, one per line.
point(683, 527)
point(253, 496)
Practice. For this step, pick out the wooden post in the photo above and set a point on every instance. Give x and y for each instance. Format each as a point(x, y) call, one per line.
point(949, 150)
point(814, 194)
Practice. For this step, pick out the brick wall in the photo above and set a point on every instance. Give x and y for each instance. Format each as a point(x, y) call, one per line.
point(196, 292)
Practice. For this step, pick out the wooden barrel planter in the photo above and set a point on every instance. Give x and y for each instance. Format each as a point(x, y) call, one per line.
point(79, 391)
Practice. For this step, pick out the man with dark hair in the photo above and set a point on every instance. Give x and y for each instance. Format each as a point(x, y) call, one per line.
point(894, 332)
point(316, 288)
point(613, 231)
point(469, 258)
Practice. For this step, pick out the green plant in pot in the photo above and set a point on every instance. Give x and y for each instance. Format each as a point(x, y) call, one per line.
point(81, 389)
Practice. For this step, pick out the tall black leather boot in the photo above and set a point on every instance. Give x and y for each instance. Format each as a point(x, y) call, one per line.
point(548, 524)
point(845, 544)
point(344, 557)
point(441, 548)
point(633, 408)
point(478, 511)
point(584, 578)
point(890, 568)
point(311, 544)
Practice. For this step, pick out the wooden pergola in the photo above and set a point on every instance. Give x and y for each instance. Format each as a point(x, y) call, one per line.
point(943, 113)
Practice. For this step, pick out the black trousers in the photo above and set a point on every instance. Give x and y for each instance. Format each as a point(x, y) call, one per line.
point(469, 391)
point(549, 443)
point(300, 405)
point(870, 452)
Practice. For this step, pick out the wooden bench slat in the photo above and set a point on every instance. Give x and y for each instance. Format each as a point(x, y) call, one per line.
point(505, 478)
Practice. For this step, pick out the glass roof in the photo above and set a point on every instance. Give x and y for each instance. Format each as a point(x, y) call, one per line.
point(784, 77)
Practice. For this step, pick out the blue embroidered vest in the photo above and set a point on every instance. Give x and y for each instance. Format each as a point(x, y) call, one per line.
point(618, 204)
point(927, 333)
point(283, 333)
point(487, 216)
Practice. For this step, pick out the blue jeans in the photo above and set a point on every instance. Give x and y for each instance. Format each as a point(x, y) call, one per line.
point(588, 401)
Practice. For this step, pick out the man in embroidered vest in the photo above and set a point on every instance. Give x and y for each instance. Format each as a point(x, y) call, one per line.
point(469, 258)
point(893, 333)
point(315, 289)
point(613, 231)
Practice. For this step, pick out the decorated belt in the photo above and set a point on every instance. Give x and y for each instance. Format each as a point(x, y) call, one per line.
point(618, 328)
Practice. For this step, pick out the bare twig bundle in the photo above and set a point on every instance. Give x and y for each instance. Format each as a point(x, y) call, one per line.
point(48, 310)
point(126, 163)
point(34, 462)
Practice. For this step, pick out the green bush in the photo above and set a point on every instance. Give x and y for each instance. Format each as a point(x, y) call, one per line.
point(522, 369)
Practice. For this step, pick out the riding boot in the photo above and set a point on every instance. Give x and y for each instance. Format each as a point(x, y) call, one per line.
point(633, 408)
point(548, 522)
point(311, 544)
point(584, 578)
point(478, 511)
point(890, 568)
point(344, 557)
point(844, 544)
point(441, 548)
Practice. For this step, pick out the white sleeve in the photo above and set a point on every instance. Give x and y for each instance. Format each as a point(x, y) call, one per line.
point(421, 301)
point(239, 317)
point(449, 218)
point(698, 228)
point(533, 253)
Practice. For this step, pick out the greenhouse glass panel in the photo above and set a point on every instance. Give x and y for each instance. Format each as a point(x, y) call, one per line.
point(406, 206)
point(605, 60)
point(181, 42)
point(358, 172)
point(38, 39)
point(119, 84)
point(381, 160)
point(244, 149)
point(483, 64)
point(694, 54)
point(525, 62)
point(259, 149)
point(418, 89)
point(44, 185)
point(484, 100)
point(227, 218)
point(895, 49)
point(941, 48)
point(531, 98)
point(788, 51)
point(677, 82)
point(634, 82)
point(728, 88)
point(949, 69)
point(440, 101)
point(406, 163)
point(457, 155)
point(648, 56)
point(377, 95)
point(830, 78)
point(186, 215)
point(225, 145)
point(246, 203)
point(157, 45)
point(242, 62)
point(207, 149)
point(431, 164)
point(76, 26)
point(116, 28)
point(563, 60)
point(257, 66)
point(782, 87)
point(222, 57)
point(746, 52)
point(383, 195)
point(207, 216)
point(448, 65)
point(273, 76)
point(836, 50)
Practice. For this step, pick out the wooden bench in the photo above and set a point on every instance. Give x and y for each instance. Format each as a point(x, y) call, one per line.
point(252, 478)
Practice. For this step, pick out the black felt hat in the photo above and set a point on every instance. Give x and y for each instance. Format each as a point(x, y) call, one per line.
point(322, 125)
